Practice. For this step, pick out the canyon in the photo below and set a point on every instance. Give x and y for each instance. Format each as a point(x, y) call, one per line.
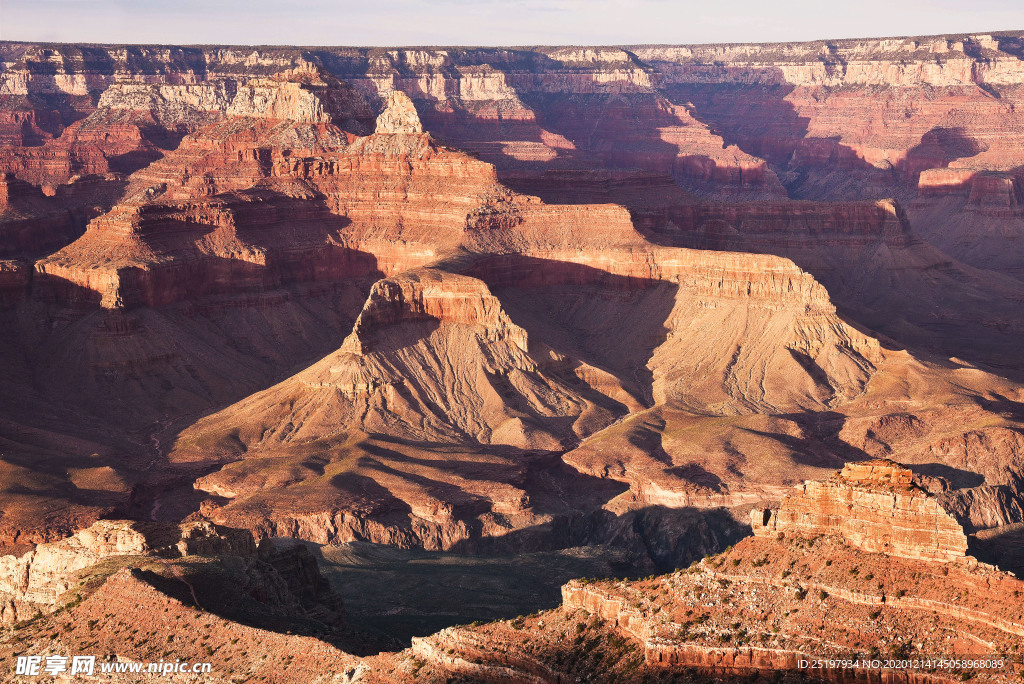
point(258, 304)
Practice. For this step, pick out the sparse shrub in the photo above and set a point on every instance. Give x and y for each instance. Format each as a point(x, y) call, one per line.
point(899, 650)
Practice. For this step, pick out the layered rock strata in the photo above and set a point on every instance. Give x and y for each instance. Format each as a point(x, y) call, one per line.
point(695, 618)
point(876, 506)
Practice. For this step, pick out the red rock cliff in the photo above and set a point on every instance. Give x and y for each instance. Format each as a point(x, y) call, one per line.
point(876, 506)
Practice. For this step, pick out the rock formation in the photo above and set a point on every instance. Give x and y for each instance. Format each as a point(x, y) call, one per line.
point(38, 578)
point(104, 618)
point(399, 116)
point(876, 506)
point(282, 576)
point(758, 607)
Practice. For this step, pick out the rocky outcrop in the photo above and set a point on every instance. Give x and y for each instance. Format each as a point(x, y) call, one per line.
point(277, 100)
point(399, 116)
point(462, 652)
point(431, 295)
point(876, 506)
point(36, 580)
point(173, 106)
point(437, 363)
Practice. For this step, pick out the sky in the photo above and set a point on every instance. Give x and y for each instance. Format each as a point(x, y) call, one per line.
point(493, 22)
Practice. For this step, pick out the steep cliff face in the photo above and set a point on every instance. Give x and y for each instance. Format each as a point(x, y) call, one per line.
point(876, 506)
point(653, 107)
point(872, 259)
point(206, 218)
point(974, 214)
point(14, 280)
point(399, 116)
point(30, 222)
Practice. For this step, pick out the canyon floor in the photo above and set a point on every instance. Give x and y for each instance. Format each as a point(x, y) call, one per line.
point(313, 354)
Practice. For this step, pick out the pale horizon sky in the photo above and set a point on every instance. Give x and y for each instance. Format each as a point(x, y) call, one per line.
point(492, 22)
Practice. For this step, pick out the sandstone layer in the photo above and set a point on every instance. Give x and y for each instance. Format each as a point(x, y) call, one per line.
point(876, 506)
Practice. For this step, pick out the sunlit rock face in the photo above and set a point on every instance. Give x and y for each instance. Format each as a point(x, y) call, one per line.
point(876, 506)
